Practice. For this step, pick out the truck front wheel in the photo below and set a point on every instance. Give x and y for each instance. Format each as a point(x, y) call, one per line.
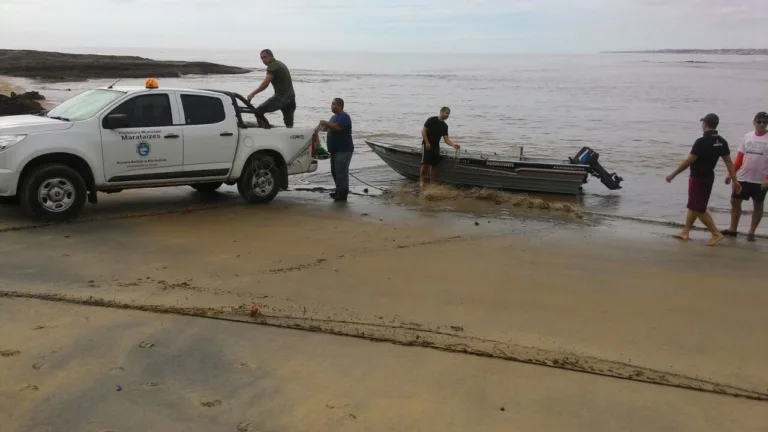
point(53, 193)
point(259, 182)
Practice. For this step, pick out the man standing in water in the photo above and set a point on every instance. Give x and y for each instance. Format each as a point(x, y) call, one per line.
point(752, 171)
point(434, 129)
point(341, 147)
point(702, 161)
point(284, 98)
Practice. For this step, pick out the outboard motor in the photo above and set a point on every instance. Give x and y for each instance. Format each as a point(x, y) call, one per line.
point(589, 157)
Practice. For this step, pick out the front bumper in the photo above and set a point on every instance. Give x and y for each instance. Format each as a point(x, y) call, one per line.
point(9, 181)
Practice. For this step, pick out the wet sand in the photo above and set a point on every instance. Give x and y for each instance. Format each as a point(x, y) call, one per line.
point(92, 369)
point(537, 287)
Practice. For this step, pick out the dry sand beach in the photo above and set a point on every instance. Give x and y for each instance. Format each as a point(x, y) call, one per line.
point(538, 320)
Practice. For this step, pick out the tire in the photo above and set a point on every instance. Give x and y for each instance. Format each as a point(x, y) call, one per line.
point(259, 182)
point(207, 187)
point(53, 193)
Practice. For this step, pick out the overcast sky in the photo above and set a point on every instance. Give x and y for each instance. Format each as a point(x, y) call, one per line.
point(451, 26)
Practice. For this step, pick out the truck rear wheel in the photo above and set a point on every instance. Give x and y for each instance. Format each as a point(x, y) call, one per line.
point(206, 187)
point(53, 193)
point(259, 182)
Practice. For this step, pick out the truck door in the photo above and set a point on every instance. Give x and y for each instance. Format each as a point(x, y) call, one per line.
point(210, 134)
point(147, 146)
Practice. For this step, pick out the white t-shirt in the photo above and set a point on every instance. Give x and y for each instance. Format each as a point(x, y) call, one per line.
point(754, 169)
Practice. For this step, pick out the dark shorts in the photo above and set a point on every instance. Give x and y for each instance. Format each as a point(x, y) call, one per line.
point(699, 190)
point(286, 105)
point(430, 157)
point(751, 191)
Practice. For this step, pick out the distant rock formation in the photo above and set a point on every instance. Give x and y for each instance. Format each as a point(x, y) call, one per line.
point(18, 104)
point(722, 51)
point(55, 66)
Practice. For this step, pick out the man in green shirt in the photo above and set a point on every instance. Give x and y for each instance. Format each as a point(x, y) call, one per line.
point(284, 98)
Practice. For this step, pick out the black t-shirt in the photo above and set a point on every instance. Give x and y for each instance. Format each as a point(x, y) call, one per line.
point(436, 130)
point(708, 149)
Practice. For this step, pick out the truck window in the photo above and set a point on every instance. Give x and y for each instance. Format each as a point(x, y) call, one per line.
point(201, 110)
point(150, 110)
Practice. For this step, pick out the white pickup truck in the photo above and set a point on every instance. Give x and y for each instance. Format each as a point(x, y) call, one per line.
point(116, 138)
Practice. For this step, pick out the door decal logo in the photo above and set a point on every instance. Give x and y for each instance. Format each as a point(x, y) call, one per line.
point(142, 148)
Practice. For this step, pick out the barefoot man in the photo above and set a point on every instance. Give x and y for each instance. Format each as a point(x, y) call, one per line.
point(702, 161)
point(752, 170)
point(434, 129)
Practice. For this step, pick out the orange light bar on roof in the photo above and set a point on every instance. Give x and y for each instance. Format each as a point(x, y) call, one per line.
point(151, 83)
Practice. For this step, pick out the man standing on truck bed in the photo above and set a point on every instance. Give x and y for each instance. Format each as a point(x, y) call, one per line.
point(284, 98)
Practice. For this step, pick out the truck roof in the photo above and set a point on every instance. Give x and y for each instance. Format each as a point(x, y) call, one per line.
point(140, 89)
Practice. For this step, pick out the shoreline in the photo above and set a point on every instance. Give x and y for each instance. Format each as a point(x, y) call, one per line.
point(7, 86)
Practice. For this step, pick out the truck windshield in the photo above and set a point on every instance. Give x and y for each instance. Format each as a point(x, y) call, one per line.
point(85, 105)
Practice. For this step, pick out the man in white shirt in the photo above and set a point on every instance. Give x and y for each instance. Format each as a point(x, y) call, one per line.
point(752, 171)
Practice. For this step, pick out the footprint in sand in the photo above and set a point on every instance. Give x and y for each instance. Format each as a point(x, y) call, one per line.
point(39, 365)
point(146, 345)
point(210, 403)
point(30, 387)
point(10, 353)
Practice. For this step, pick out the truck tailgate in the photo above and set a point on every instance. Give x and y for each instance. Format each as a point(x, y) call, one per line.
point(302, 144)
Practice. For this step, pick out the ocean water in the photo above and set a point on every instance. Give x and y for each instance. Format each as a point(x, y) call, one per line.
point(639, 111)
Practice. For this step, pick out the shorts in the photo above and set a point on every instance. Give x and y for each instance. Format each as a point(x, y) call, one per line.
point(699, 191)
point(751, 191)
point(430, 157)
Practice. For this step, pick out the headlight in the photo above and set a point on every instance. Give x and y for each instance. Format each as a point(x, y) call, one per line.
point(8, 141)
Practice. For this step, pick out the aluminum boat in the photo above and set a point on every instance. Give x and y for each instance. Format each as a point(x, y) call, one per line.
point(510, 171)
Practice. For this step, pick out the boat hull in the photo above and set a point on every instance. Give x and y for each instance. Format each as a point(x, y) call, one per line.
point(514, 174)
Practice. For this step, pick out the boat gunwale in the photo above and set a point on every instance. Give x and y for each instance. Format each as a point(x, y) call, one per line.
point(478, 155)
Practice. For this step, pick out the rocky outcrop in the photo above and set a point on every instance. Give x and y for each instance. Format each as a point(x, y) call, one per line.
point(723, 51)
point(55, 66)
point(18, 104)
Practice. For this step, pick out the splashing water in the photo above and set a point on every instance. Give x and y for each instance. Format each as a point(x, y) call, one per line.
point(447, 193)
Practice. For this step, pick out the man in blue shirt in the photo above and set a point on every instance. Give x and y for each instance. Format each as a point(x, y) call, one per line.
point(340, 146)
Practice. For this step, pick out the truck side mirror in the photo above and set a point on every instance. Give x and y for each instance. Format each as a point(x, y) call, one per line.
point(116, 121)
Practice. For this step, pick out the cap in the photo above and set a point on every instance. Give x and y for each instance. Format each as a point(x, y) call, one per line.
point(762, 115)
point(712, 120)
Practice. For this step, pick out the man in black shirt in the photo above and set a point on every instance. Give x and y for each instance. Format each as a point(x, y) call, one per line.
point(703, 158)
point(434, 129)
